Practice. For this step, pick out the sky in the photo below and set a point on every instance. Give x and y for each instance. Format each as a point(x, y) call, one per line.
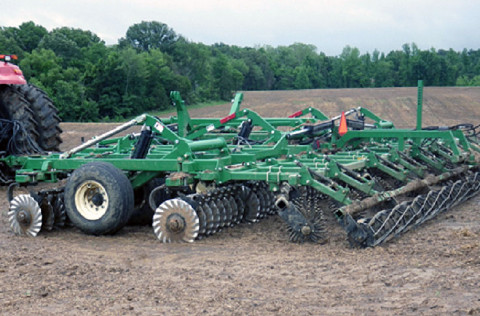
point(330, 25)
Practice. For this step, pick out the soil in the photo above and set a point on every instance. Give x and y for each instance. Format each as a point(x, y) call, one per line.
point(253, 269)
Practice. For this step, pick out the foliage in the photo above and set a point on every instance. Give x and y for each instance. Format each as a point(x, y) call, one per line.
point(90, 81)
point(145, 36)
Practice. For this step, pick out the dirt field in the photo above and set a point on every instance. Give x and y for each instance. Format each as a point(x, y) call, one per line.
point(253, 269)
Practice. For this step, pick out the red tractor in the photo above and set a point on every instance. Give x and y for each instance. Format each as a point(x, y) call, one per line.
point(29, 121)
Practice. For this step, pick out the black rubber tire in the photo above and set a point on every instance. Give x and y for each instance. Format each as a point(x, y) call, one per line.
point(45, 115)
point(119, 198)
point(142, 212)
point(13, 106)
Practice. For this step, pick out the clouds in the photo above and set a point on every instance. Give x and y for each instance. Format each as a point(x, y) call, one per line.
point(329, 25)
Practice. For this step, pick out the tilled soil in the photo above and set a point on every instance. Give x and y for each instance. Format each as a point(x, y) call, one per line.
point(250, 269)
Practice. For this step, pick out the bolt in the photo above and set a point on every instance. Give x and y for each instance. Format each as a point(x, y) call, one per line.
point(176, 223)
point(306, 230)
point(23, 217)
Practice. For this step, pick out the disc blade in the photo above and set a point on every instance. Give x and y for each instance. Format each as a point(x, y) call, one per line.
point(25, 215)
point(59, 211)
point(48, 216)
point(175, 221)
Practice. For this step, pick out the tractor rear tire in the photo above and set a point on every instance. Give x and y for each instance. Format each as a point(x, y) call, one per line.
point(14, 107)
point(45, 115)
point(98, 198)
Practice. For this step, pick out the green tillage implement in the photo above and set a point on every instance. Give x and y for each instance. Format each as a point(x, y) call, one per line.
point(194, 177)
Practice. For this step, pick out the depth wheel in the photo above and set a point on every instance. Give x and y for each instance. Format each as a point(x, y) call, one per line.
point(98, 198)
point(176, 221)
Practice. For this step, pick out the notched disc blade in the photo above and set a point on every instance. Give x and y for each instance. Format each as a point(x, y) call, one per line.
point(48, 216)
point(202, 217)
point(59, 212)
point(25, 215)
point(216, 216)
point(252, 205)
point(175, 221)
point(210, 224)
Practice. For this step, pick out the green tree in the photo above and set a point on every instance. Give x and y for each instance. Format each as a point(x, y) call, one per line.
point(149, 35)
point(69, 98)
point(352, 70)
point(194, 61)
point(382, 70)
point(226, 78)
point(43, 66)
point(9, 45)
point(106, 86)
point(27, 36)
point(70, 44)
point(259, 75)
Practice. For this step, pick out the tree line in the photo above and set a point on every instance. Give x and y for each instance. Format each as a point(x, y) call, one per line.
point(91, 81)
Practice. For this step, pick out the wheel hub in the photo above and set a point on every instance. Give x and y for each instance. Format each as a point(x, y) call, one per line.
point(24, 217)
point(91, 200)
point(175, 223)
point(97, 199)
